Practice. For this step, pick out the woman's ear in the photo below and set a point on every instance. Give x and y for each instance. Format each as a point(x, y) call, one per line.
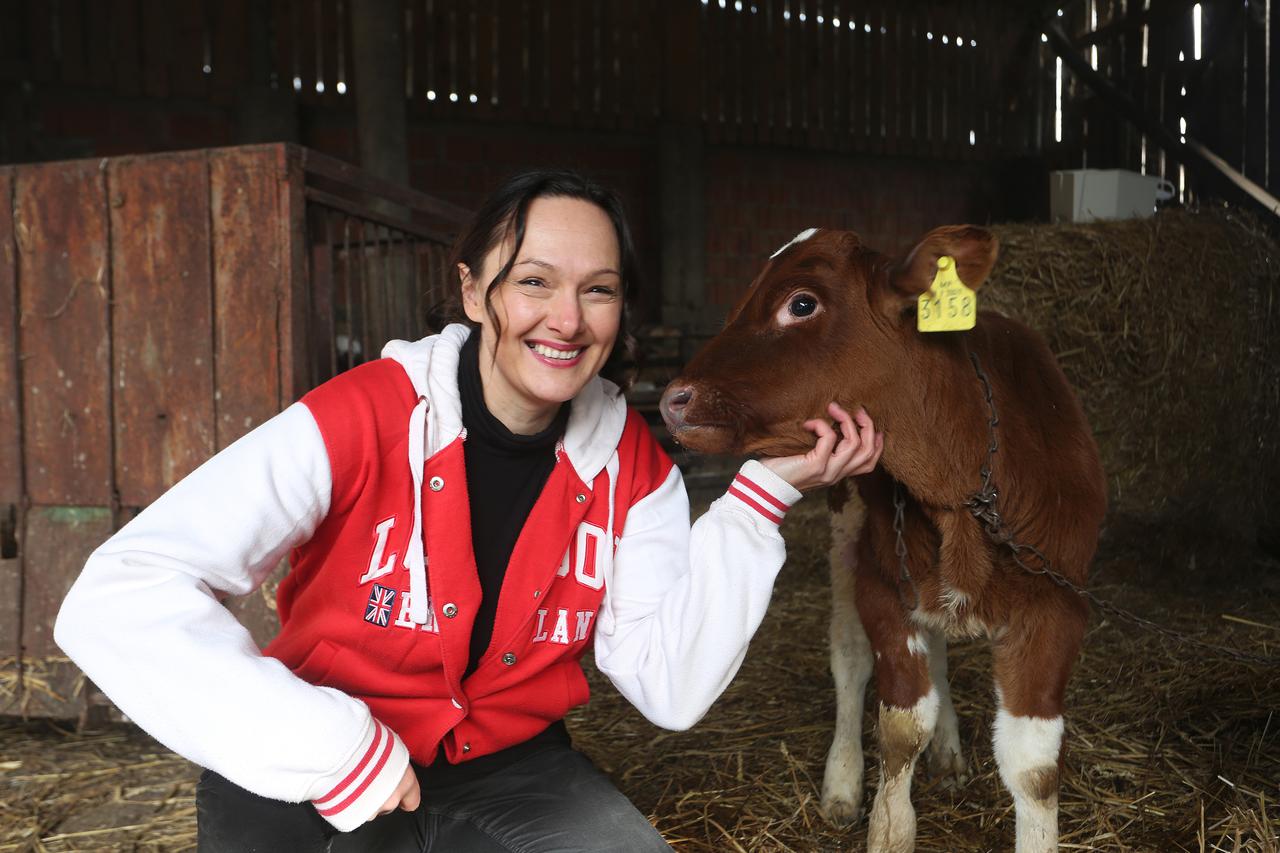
point(472, 300)
point(974, 249)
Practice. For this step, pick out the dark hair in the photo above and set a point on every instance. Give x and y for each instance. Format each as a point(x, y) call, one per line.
point(505, 212)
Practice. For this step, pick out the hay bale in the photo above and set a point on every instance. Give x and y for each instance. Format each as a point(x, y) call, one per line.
point(1166, 327)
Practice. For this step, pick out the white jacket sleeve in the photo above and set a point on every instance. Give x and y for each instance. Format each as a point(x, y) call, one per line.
point(144, 622)
point(682, 604)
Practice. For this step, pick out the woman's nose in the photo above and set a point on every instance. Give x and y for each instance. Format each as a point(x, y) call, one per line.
point(566, 314)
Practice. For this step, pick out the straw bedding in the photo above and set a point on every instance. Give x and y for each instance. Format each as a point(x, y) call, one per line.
point(1169, 750)
point(1166, 326)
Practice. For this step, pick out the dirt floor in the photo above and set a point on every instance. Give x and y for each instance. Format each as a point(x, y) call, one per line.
point(1170, 749)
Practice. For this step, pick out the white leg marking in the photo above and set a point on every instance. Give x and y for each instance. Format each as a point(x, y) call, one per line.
point(903, 734)
point(850, 668)
point(1027, 754)
point(944, 756)
point(799, 238)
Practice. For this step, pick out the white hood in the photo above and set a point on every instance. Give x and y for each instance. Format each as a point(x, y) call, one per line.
point(596, 419)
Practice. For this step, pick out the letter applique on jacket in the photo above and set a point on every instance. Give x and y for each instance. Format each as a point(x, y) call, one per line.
point(377, 567)
point(558, 632)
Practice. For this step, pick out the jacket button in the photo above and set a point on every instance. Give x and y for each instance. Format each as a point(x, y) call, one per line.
point(450, 610)
point(455, 704)
point(466, 747)
point(582, 499)
point(437, 483)
point(537, 592)
point(509, 659)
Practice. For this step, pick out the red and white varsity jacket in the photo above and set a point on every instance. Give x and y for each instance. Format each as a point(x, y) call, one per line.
point(362, 484)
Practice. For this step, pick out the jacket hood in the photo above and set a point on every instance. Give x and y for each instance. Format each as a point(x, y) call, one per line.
point(596, 416)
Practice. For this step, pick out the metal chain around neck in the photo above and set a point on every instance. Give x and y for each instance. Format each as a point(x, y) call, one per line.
point(983, 506)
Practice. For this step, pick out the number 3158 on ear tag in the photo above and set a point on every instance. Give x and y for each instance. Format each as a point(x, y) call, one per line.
point(948, 305)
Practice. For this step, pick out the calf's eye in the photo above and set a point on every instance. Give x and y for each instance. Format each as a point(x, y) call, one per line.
point(803, 306)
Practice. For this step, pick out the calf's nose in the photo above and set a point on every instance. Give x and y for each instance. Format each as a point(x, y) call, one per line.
point(675, 400)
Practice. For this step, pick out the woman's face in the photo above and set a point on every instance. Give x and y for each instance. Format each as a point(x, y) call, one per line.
point(559, 311)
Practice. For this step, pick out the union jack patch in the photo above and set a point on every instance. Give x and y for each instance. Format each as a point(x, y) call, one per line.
point(378, 610)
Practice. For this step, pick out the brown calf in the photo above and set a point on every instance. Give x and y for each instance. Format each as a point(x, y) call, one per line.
point(830, 319)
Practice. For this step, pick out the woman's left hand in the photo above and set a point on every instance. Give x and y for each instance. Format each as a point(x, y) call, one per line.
point(854, 450)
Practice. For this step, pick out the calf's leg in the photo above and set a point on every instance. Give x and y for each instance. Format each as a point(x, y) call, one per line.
point(908, 709)
point(944, 757)
point(850, 669)
point(1032, 664)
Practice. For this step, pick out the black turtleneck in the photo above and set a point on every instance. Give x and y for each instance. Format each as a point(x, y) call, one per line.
point(505, 475)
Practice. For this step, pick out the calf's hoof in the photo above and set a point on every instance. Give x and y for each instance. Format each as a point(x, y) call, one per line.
point(842, 811)
point(944, 761)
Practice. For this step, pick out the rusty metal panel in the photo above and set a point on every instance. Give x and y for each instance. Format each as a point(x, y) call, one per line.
point(11, 518)
point(60, 228)
point(247, 276)
point(56, 544)
point(295, 377)
point(10, 414)
point(162, 323)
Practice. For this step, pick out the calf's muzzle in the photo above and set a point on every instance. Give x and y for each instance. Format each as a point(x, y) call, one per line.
point(675, 401)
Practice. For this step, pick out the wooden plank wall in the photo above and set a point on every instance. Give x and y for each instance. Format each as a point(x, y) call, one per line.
point(1226, 96)
point(147, 307)
point(777, 72)
point(772, 72)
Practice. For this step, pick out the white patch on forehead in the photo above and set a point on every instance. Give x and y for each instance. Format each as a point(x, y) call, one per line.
point(799, 238)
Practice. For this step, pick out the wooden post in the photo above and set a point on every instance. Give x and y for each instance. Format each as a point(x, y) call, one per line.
point(682, 162)
point(268, 110)
point(377, 28)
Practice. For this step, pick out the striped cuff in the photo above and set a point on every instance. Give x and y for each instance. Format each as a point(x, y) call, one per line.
point(367, 780)
point(763, 491)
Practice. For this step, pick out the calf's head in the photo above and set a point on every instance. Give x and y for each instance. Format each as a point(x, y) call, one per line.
point(826, 319)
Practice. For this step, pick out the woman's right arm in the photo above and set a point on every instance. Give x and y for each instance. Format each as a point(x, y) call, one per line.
point(145, 623)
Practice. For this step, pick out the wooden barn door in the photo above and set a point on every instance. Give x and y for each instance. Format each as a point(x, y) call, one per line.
point(152, 310)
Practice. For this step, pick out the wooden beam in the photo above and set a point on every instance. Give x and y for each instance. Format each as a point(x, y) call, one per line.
point(1231, 183)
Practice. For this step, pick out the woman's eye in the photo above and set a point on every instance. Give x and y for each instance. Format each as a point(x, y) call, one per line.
point(803, 306)
point(531, 282)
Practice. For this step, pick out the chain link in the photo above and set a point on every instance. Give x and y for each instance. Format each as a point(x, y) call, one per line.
point(900, 547)
point(983, 506)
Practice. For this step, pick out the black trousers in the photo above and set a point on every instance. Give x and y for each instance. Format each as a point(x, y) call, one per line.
point(553, 800)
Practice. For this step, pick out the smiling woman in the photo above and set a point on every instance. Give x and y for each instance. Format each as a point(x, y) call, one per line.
point(464, 519)
point(549, 327)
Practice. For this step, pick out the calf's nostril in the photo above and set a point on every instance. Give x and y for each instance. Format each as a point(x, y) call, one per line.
point(673, 403)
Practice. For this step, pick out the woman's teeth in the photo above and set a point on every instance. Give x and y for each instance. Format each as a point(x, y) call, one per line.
point(548, 352)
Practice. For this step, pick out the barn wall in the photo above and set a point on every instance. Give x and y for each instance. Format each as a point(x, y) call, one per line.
point(758, 200)
point(756, 197)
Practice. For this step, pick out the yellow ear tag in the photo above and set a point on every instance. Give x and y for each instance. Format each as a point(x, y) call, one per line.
point(948, 305)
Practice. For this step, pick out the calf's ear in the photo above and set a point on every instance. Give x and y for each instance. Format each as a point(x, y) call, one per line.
point(975, 250)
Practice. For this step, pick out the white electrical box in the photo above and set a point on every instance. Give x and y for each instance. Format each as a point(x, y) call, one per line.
point(1086, 195)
